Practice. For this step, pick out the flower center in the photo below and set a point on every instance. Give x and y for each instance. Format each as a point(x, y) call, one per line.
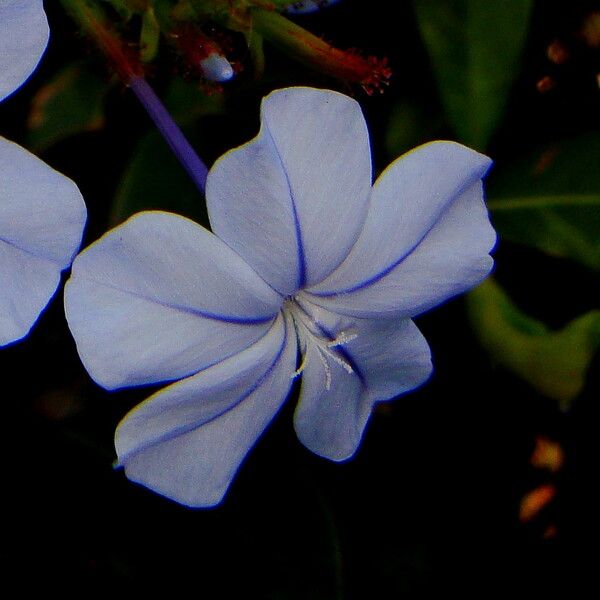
point(312, 335)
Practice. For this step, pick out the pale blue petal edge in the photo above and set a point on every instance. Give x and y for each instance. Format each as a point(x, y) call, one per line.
point(42, 217)
point(159, 298)
point(387, 357)
point(24, 34)
point(427, 237)
point(187, 441)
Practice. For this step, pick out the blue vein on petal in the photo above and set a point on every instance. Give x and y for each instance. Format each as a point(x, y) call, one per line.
point(301, 281)
point(197, 424)
point(32, 253)
point(188, 310)
point(378, 276)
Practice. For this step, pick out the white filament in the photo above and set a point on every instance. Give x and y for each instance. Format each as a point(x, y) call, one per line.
point(307, 329)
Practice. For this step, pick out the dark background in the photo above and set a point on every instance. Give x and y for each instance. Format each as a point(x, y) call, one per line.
point(431, 501)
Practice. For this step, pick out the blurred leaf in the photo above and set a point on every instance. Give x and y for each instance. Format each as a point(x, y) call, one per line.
point(186, 102)
point(149, 35)
point(550, 200)
point(278, 4)
point(71, 103)
point(409, 125)
point(547, 454)
point(566, 226)
point(568, 166)
point(553, 362)
point(257, 53)
point(474, 48)
point(122, 7)
point(535, 501)
point(154, 179)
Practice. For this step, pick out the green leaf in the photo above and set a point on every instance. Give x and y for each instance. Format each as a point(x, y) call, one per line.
point(278, 4)
point(553, 362)
point(149, 35)
point(187, 102)
point(551, 200)
point(257, 53)
point(154, 180)
point(474, 48)
point(409, 125)
point(122, 7)
point(564, 226)
point(73, 102)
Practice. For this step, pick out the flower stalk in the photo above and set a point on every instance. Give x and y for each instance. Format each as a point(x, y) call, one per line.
point(93, 22)
point(127, 65)
point(170, 131)
point(369, 72)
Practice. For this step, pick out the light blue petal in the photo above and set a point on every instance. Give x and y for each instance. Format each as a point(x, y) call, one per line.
point(28, 283)
point(387, 358)
point(42, 216)
point(24, 35)
point(292, 201)
point(41, 210)
point(391, 356)
point(427, 237)
point(187, 441)
point(330, 421)
point(160, 298)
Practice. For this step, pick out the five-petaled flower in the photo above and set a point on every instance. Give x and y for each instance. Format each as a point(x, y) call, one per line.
point(42, 213)
point(306, 254)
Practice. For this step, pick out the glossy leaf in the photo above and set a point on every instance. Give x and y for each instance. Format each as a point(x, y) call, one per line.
point(553, 362)
point(474, 49)
point(551, 200)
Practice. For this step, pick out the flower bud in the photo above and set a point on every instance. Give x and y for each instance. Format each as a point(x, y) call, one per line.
point(215, 67)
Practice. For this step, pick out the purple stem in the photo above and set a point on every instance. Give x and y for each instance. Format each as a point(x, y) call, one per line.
point(170, 131)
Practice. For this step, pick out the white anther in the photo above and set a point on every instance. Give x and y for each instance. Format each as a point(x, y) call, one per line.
point(302, 366)
point(340, 361)
point(342, 338)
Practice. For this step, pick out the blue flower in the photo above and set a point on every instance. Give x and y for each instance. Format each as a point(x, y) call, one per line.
point(42, 213)
point(306, 255)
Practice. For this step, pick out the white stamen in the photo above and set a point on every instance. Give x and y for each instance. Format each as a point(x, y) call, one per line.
point(302, 366)
point(308, 335)
point(327, 367)
point(340, 361)
point(342, 338)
